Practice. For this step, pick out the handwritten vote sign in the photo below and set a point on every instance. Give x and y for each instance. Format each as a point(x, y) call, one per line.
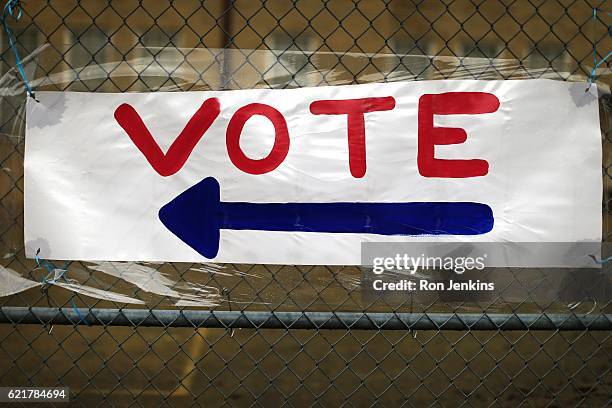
point(303, 176)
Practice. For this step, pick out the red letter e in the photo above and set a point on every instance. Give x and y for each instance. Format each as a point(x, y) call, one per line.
point(451, 103)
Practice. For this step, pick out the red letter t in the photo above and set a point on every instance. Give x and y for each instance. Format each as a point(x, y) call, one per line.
point(355, 109)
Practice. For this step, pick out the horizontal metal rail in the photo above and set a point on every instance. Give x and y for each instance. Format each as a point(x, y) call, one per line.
point(305, 320)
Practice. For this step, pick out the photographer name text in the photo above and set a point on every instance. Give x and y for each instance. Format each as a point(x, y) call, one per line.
point(426, 285)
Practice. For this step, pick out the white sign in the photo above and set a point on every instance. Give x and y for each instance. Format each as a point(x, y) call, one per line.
point(303, 176)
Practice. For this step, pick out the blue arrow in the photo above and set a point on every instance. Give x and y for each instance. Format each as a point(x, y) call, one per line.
point(197, 215)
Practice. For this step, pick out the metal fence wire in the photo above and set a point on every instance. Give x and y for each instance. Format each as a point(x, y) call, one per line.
point(175, 334)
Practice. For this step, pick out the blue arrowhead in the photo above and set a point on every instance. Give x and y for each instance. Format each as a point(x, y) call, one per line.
point(194, 216)
point(197, 215)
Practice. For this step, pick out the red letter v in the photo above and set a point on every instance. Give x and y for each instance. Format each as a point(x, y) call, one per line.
point(178, 153)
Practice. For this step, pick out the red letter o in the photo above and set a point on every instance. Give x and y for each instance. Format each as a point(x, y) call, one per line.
point(281, 139)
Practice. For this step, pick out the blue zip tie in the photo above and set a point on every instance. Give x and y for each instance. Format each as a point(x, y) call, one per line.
point(82, 319)
point(10, 8)
point(50, 268)
point(600, 261)
point(597, 64)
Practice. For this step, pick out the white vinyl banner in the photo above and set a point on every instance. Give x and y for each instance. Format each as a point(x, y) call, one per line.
point(304, 176)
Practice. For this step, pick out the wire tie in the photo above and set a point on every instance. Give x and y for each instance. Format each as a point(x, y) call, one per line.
point(600, 261)
point(13, 9)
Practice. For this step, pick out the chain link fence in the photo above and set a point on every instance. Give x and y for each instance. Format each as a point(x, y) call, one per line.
point(175, 334)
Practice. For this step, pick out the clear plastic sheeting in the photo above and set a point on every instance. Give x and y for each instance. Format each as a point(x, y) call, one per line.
point(11, 282)
point(200, 69)
point(252, 287)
